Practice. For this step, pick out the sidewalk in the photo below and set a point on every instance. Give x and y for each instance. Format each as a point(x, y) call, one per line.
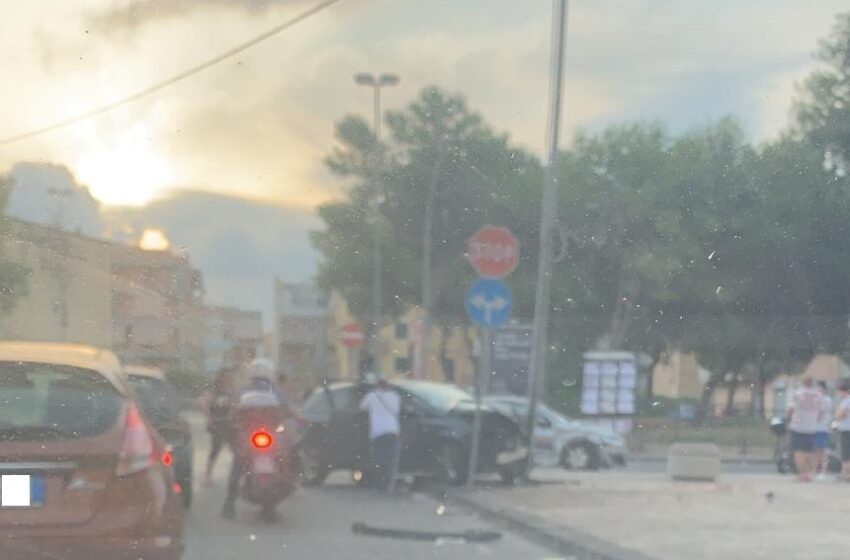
point(658, 453)
point(629, 516)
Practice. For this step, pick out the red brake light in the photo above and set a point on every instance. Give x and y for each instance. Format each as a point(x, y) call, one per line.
point(261, 440)
point(167, 459)
point(137, 450)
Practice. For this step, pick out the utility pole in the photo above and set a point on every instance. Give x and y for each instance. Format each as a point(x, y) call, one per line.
point(376, 83)
point(427, 242)
point(548, 223)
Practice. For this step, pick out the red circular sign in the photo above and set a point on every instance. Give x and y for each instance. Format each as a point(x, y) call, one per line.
point(351, 335)
point(493, 251)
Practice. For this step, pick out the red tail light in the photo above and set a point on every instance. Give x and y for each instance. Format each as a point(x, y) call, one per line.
point(137, 451)
point(261, 439)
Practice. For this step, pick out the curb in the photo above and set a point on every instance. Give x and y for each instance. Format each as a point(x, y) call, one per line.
point(561, 540)
point(727, 461)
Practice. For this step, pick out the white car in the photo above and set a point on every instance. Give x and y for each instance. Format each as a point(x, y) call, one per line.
point(561, 441)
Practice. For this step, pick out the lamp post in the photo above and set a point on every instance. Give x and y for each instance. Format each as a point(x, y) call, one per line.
point(376, 83)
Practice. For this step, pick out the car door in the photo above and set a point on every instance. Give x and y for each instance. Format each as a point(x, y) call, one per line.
point(416, 437)
point(349, 429)
point(545, 445)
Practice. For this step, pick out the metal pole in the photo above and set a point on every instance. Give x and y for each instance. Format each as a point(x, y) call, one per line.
point(377, 265)
point(427, 290)
point(482, 373)
point(548, 222)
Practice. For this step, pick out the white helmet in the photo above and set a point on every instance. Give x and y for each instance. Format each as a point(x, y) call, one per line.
point(261, 368)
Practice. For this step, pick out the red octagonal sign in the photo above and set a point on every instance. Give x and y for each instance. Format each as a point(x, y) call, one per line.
point(351, 335)
point(493, 251)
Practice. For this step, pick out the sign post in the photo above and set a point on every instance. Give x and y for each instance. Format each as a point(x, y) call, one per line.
point(494, 253)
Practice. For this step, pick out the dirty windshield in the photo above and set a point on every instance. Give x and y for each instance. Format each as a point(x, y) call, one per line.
point(382, 279)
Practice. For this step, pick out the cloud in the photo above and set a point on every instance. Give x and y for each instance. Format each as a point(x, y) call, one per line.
point(48, 194)
point(238, 244)
point(131, 15)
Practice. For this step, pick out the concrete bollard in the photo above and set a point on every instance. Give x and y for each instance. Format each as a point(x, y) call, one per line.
point(693, 461)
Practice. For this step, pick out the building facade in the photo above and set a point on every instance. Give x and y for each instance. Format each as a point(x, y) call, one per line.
point(158, 314)
point(301, 347)
point(231, 337)
point(68, 288)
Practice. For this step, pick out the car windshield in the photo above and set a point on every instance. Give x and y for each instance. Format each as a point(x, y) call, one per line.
point(634, 213)
point(155, 396)
point(442, 397)
point(51, 402)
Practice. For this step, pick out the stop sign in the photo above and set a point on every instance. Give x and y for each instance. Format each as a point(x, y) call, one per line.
point(493, 252)
point(351, 335)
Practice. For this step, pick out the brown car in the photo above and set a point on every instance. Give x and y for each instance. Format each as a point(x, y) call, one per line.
point(84, 477)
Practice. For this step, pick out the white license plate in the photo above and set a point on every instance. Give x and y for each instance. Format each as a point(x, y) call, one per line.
point(21, 490)
point(263, 464)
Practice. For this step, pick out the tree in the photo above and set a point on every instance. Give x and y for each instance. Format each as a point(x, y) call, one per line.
point(13, 276)
point(477, 177)
point(822, 111)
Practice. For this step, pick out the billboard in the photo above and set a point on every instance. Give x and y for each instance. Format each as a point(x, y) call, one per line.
point(609, 382)
point(510, 360)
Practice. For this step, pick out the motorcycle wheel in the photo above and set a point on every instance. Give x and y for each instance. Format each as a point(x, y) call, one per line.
point(269, 512)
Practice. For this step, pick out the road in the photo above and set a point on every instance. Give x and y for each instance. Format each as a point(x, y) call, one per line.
point(316, 523)
point(737, 467)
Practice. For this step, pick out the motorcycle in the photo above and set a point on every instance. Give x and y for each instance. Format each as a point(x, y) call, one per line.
point(784, 457)
point(270, 466)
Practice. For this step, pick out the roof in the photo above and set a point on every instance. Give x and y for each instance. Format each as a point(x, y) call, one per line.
point(62, 354)
point(144, 371)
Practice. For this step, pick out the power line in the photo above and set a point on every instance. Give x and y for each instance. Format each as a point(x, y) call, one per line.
point(173, 79)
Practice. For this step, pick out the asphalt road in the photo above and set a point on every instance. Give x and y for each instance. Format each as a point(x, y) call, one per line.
point(316, 523)
point(737, 467)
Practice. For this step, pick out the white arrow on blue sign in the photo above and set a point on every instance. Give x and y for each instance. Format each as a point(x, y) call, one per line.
point(488, 302)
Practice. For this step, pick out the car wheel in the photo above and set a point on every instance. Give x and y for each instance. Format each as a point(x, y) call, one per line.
point(314, 469)
point(451, 466)
point(581, 455)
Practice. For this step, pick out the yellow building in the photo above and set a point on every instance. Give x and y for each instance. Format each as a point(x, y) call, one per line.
point(69, 286)
point(400, 339)
point(677, 375)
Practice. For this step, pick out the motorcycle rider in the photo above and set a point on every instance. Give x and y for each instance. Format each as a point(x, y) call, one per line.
point(261, 380)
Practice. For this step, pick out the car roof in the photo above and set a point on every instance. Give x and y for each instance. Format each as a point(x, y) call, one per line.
point(144, 371)
point(62, 354)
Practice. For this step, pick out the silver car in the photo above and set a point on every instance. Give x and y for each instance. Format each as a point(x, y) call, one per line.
point(562, 441)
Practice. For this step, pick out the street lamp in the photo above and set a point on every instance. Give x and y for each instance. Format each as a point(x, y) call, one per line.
point(376, 83)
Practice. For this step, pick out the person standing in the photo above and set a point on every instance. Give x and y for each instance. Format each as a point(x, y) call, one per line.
point(806, 410)
point(842, 416)
point(219, 404)
point(383, 404)
point(822, 440)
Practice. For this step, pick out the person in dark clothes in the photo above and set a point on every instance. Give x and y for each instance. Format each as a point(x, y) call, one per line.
point(219, 406)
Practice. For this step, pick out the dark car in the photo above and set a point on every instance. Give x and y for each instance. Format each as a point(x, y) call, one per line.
point(436, 433)
point(92, 474)
point(161, 406)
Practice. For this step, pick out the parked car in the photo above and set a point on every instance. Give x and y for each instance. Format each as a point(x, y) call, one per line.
point(436, 433)
point(160, 404)
point(99, 482)
point(562, 441)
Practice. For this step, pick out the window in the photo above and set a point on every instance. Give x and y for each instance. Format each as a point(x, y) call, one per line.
point(402, 364)
point(401, 330)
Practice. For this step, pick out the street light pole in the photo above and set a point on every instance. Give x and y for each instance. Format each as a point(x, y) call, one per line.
point(548, 223)
point(376, 83)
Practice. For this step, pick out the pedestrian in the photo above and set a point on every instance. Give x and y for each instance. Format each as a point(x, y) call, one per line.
point(219, 405)
point(806, 410)
point(842, 416)
point(383, 404)
point(822, 440)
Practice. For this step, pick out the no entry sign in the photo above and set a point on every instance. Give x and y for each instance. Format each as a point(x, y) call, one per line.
point(493, 251)
point(351, 335)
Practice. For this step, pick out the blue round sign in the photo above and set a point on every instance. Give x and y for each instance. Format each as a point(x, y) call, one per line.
point(488, 302)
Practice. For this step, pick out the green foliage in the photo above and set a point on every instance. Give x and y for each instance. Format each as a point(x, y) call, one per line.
point(700, 242)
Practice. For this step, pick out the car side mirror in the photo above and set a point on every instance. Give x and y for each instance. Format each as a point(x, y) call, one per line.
point(543, 422)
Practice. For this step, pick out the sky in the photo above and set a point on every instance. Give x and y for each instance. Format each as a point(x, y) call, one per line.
point(258, 126)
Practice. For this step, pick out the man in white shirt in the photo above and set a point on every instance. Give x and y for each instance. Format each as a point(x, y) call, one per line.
point(806, 411)
point(842, 415)
point(383, 404)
